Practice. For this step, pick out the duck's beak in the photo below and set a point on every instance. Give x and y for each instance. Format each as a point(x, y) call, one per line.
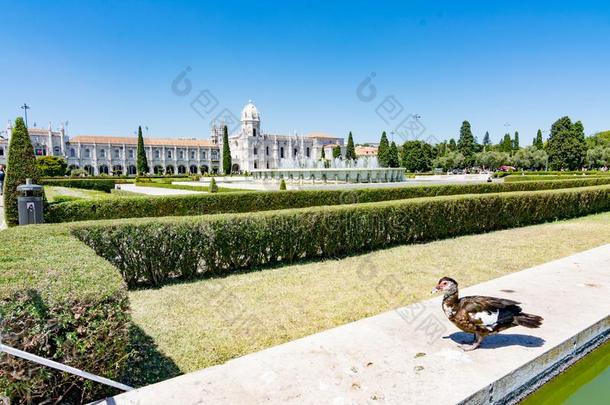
point(434, 290)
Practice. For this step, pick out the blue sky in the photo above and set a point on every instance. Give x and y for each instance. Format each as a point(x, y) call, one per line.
point(107, 67)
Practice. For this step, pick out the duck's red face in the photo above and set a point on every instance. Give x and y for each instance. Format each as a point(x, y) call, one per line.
point(445, 284)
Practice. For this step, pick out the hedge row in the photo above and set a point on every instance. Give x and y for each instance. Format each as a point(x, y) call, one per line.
point(105, 185)
point(154, 251)
point(61, 301)
point(518, 177)
point(137, 207)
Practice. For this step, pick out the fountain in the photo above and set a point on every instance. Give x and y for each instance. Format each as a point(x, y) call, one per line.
point(362, 170)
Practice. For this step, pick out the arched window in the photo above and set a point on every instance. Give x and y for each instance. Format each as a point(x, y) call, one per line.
point(181, 154)
point(193, 157)
point(254, 131)
point(103, 153)
point(295, 151)
point(169, 155)
point(255, 150)
point(131, 154)
point(87, 153)
point(307, 152)
point(282, 152)
point(157, 154)
point(72, 152)
point(267, 151)
point(117, 153)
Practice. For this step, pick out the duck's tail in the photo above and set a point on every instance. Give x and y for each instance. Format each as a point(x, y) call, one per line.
point(528, 320)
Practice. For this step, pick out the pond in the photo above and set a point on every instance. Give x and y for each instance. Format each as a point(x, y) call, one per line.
point(586, 382)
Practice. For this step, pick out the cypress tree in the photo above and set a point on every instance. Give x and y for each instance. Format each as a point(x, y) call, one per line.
point(323, 155)
point(538, 143)
point(383, 151)
point(466, 144)
point(507, 144)
point(226, 151)
point(486, 140)
point(452, 145)
point(336, 151)
point(350, 151)
point(141, 161)
point(394, 160)
point(516, 142)
point(21, 165)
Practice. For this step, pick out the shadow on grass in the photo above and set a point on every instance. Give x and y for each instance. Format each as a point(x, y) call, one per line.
point(499, 340)
point(146, 365)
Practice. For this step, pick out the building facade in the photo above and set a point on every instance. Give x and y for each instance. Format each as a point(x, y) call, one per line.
point(250, 147)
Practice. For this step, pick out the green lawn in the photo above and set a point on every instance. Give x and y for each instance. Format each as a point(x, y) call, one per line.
point(56, 194)
point(208, 322)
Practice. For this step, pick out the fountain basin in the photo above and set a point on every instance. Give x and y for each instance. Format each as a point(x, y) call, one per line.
point(346, 175)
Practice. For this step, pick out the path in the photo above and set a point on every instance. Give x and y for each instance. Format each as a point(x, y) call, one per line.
point(156, 190)
point(409, 355)
point(2, 224)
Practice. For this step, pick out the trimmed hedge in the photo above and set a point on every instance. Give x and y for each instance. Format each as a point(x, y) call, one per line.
point(138, 207)
point(61, 301)
point(105, 185)
point(519, 177)
point(154, 251)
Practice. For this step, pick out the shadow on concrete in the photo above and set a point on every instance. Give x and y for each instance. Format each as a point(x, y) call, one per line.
point(499, 340)
point(146, 364)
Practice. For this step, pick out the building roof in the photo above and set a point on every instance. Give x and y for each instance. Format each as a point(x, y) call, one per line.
point(147, 141)
point(321, 135)
point(366, 150)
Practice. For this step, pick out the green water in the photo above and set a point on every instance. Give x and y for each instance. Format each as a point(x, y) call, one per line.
point(586, 382)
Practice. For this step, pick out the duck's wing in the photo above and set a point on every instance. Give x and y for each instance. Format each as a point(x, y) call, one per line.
point(488, 312)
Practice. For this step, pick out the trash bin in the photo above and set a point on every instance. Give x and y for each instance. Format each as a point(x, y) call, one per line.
point(29, 203)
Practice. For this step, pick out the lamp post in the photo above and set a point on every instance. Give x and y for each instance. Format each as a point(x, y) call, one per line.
point(25, 108)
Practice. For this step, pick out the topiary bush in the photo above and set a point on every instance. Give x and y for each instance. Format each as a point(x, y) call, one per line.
point(253, 201)
point(21, 164)
point(155, 251)
point(213, 188)
point(282, 185)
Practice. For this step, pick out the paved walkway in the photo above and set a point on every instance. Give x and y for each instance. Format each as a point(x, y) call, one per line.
point(2, 224)
point(410, 355)
point(156, 190)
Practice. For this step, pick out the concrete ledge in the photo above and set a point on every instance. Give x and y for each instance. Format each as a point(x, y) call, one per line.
point(410, 355)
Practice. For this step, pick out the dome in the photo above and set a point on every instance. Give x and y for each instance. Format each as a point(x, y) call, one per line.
point(250, 113)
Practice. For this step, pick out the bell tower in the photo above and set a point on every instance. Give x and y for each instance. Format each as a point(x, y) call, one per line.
point(250, 121)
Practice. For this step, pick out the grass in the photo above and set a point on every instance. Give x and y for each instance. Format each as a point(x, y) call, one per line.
point(62, 194)
point(208, 322)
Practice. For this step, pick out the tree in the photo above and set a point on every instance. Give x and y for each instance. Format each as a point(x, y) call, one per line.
point(506, 145)
point(452, 160)
point(336, 151)
point(21, 165)
point(530, 159)
point(492, 159)
point(323, 155)
point(566, 146)
point(213, 186)
point(282, 185)
point(383, 151)
point(394, 158)
point(226, 151)
point(466, 144)
point(49, 166)
point(598, 157)
point(452, 145)
point(516, 142)
point(417, 156)
point(350, 151)
point(141, 161)
point(486, 140)
point(538, 143)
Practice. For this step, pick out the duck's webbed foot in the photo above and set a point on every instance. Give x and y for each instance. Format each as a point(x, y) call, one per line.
point(477, 342)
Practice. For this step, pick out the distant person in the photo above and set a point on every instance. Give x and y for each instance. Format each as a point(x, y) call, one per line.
point(1, 179)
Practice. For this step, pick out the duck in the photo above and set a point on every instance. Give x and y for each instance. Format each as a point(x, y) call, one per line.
point(480, 315)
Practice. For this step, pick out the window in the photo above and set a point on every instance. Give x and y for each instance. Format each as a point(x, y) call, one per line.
point(87, 153)
point(255, 150)
point(181, 156)
point(131, 154)
point(193, 157)
point(40, 151)
point(169, 154)
point(117, 153)
point(256, 165)
point(204, 154)
point(254, 131)
point(56, 150)
point(307, 152)
point(157, 154)
point(267, 151)
point(267, 165)
point(282, 152)
point(295, 152)
point(1, 151)
point(103, 153)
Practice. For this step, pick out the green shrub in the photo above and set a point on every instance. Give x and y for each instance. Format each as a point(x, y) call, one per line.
point(260, 201)
point(51, 166)
point(154, 251)
point(60, 301)
point(21, 164)
point(213, 187)
point(282, 185)
point(105, 185)
point(519, 177)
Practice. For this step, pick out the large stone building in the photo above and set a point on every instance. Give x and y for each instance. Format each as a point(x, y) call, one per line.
point(250, 147)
